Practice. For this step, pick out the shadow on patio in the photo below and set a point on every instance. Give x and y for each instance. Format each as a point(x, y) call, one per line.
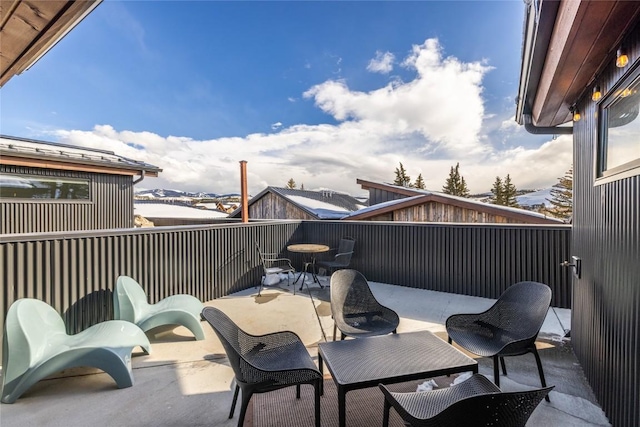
point(187, 382)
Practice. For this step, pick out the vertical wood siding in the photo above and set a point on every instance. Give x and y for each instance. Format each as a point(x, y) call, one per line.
point(441, 212)
point(271, 206)
point(606, 235)
point(111, 205)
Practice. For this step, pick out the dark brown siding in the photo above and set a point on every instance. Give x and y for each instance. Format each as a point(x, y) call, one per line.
point(606, 302)
point(378, 196)
point(111, 205)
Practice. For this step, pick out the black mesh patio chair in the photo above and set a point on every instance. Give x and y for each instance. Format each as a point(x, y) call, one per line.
point(474, 402)
point(342, 258)
point(508, 328)
point(264, 363)
point(272, 264)
point(355, 310)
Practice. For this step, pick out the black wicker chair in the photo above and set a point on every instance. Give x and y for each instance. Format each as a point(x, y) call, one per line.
point(264, 363)
point(272, 264)
point(508, 328)
point(474, 402)
point(342, 258)
point(355, 310)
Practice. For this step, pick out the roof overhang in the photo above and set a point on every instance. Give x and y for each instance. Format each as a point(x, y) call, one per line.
point(523, 216)
point(366, 185)
point(29, 28)
point(24, 152)
point(566, 45)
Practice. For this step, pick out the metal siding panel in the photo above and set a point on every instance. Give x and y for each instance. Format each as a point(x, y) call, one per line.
point(605, 320)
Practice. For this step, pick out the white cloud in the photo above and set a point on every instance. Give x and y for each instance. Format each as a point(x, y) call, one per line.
point(276, 126)
point(510, 125)
point(382, 63)
point(428, 123)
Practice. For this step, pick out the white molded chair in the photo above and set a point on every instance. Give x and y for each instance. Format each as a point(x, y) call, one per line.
point(130, 303)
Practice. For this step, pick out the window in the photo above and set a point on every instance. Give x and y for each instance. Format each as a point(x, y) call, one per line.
point(619, 142)
point(44, 188)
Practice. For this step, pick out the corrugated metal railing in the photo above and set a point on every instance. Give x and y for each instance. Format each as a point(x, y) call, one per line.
point(471, 259)
point(75, 272)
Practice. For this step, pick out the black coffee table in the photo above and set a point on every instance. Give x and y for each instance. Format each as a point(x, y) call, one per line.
point(367, 362)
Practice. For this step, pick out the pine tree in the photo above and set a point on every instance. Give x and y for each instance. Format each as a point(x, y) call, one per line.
point(291, 183)
point(302, 186)
point(455, 184)
point(497, 198)
point(509, 193)
point(562, 196)
point(402, 178)
point(419, 183)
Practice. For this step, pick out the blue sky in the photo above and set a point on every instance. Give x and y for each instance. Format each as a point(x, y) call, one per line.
point(322, 92)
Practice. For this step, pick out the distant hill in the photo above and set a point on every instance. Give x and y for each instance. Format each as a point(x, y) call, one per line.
point(195, 197)
point(528, 199)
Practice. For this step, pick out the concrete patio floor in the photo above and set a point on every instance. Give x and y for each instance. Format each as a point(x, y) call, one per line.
point(189, 383)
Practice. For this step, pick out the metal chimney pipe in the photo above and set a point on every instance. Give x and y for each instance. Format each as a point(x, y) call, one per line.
point(244, 199)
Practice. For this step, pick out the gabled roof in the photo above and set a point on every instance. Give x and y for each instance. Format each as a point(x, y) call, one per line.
point(28, 30)
point(49, 155)
point(318, 204)
point(417, 197)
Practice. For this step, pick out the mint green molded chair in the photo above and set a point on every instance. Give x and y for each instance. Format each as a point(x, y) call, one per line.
point(36, 345)
point(130, 303)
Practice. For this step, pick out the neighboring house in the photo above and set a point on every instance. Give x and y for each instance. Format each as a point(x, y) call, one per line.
point(46, 186)
point(287, 203)
point(585, 56)
point(395, 203)
point(30, 28)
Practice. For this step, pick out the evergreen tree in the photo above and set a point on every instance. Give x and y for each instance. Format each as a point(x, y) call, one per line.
point(455, 184)
point(302, 186)
point(291, 183)
point(419, 182)
point(497, 198)
point(562, 196)
point(402, 178)
point(509, 193)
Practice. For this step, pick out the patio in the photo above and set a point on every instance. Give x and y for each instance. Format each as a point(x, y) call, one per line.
point(187, 382)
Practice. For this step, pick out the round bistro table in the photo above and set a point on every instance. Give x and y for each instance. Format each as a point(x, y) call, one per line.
point(309, 250)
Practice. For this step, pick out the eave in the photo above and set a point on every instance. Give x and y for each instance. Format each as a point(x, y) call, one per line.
point(436, 198)
point(29, 28)
point(73, 166)
point(566, 45)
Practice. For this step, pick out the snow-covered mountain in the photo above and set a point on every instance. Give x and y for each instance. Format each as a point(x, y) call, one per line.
point(160, 193)
point(535, 198)
point(526, 198)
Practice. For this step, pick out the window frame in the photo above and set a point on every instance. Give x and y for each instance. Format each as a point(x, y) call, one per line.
point(625, 170)
point(70, 179)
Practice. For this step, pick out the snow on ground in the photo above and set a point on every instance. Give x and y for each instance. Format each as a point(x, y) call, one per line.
point(165, 210)
point(536, 198)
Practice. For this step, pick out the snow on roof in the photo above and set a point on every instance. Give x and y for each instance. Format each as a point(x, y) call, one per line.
point(321, 209)
point(165, 210)
point(15, 146)
point(383, 205)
